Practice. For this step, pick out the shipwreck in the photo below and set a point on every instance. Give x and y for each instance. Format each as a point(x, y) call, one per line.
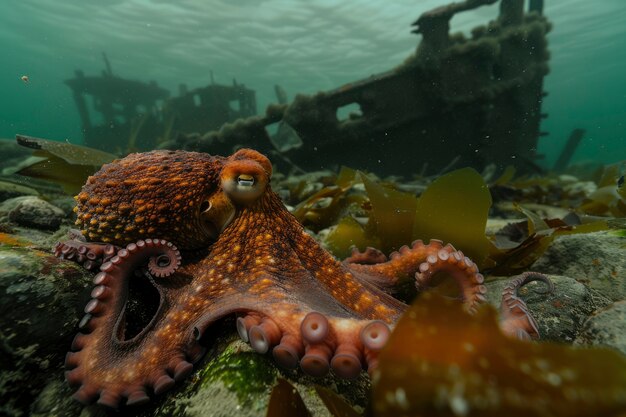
point(455, 101)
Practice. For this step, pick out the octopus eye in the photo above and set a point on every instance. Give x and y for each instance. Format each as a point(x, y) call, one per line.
point(244, 180)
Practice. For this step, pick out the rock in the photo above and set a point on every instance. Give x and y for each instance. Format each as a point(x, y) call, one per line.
point(40, 302)
point(559, 315)
point(233, 380)
point(31, 211)
point(10, 190)
point(606, 327)
point(65, 203)
point(595, 259)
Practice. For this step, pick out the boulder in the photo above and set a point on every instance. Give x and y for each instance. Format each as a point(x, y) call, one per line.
point(40, 302)
point(32, 211)
point(607, 327)
point(594, 259)
point(560, 314)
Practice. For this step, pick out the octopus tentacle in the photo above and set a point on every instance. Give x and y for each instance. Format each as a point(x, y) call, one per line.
point(461, 268)
point(319, 343)
point(89, 254)
point(102, 329)
point(297, 302)
point(423, 262)
point(516, 321)
point(370, 256)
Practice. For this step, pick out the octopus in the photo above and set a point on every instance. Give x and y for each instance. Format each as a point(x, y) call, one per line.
point(209, 236)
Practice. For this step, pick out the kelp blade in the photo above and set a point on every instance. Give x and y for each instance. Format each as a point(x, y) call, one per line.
point(70, 153)
point(346, 234)
point(440, 361)
point(392, 214)
point(454, 209)
point(285, 401)
point(64, 163)
point(335, 404)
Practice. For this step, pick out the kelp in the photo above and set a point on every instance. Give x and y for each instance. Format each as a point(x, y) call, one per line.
point(441, 361)
point(532, 239)
point(610, 197)
point(391, 216)
point(455, 208)
point(64, 163)
point(335, 404)
point(602, 194)
point(285, 401)
point(327, 206)
point(348, 233)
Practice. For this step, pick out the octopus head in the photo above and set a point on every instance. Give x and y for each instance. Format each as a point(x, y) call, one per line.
point(242, 180)
point(187, 198)
point(245, 176)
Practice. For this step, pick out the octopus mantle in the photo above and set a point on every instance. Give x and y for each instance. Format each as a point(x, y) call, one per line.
point(243, 254)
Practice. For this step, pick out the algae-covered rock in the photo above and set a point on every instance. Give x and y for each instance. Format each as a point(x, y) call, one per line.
point(594, 259)
point(560, 314)
point(606, 327)
point(233, 380)
point(40, 299)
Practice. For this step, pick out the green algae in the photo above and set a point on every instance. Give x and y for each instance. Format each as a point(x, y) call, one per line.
point(245, 373)
point(229, 378)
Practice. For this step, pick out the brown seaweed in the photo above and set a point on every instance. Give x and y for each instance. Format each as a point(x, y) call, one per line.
point(285, 401)
point(335, 404)
point(454, 208)
point(441, 361)
point(64, 163)
point(327, 206)
point(348, 233)
point(392, 214)
point(510, 257)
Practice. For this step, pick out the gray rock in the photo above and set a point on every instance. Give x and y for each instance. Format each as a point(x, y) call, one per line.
point(606, 327)
point(594, 259)
point(40, 301)
point(559, 315)
point(32, 211)
point(11, 189)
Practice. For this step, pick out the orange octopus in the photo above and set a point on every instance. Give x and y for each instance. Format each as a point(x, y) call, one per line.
point(243, 253)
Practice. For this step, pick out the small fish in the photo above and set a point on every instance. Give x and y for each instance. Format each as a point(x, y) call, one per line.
point(25, 79)
point(620, 182)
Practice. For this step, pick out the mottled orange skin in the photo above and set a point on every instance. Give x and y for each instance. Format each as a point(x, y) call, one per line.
point(263, 264)
point(157, 193)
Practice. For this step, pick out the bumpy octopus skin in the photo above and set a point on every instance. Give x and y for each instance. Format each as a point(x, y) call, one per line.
point(247, 256)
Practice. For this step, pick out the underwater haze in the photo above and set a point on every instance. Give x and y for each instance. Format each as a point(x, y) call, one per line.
point(305, 46)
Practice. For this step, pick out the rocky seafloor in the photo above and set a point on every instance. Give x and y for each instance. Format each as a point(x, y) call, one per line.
point(42, 298)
